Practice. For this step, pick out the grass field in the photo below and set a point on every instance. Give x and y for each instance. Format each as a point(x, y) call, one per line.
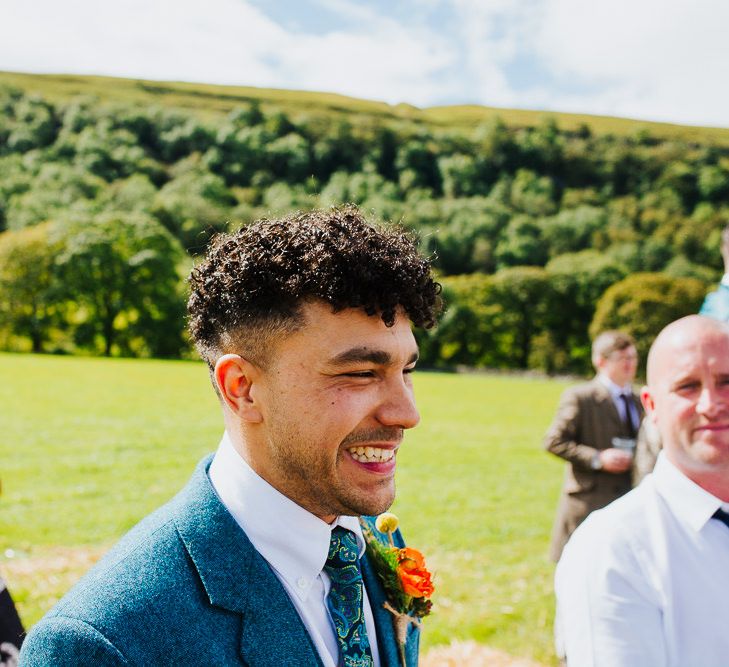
point(88, 446)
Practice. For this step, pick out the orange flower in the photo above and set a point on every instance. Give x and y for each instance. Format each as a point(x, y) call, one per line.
point(414, 576)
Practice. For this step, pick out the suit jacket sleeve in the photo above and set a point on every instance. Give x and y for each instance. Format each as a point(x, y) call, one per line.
point(67, 642)
point(646, 451)
point(563, 436)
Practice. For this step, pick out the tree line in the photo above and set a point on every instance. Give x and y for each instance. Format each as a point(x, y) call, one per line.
point(541, 236)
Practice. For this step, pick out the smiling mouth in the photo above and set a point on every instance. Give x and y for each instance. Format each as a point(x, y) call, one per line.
point(371, 454)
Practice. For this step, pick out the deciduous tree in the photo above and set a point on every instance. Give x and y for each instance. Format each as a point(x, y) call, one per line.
point(643, 303)
point(29, 304)
point(120, 271)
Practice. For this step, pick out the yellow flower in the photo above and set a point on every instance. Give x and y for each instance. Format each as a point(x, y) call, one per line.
point(387, 523)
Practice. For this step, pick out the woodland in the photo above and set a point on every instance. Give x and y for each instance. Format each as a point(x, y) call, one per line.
point(543, 229)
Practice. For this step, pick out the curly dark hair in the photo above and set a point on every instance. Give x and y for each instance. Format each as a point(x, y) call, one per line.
point(252, 283)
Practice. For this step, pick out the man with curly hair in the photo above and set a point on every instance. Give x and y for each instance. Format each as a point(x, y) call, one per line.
point(305, 325)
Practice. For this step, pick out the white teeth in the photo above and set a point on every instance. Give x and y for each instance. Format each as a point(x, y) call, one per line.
point(371, 454)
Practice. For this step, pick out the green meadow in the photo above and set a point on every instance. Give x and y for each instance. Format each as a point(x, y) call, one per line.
point(89, 446)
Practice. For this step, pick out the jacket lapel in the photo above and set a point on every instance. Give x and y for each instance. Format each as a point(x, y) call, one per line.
point(605, 400)
point(386, 639)
point(237, 578)
point(273, 633)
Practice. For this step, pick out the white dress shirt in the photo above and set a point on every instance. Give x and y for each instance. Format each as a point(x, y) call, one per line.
point(615, 392)
point(294, 542)
point(644, 582)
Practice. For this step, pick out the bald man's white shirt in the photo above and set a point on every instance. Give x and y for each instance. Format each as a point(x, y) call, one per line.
point(644, 582)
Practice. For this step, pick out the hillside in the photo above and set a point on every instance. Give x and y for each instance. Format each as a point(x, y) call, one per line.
point(543, 228)
point(209, 100)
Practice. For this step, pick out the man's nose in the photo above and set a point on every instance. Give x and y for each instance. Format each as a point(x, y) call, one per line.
point(398, 405)
point(710, 401)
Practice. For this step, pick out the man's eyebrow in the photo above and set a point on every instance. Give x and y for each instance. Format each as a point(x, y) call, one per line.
point(683, 379)
point(366, 354)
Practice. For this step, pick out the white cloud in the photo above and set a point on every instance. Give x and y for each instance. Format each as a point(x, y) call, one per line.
point(223, 41)
point(656, 59)
point(653, 59)
point(490, 34)
point(183, 39)
point(382, 60)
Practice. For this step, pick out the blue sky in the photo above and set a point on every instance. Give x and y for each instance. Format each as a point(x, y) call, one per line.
point(662, 60)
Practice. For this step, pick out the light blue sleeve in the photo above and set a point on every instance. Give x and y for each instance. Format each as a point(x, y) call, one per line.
point(716, 304)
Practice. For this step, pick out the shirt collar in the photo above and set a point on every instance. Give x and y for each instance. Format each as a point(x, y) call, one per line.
point(614, 389)
point(687, 500)
point(293, 541)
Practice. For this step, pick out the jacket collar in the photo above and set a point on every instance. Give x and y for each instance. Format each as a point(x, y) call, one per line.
point(604, 396)
point(237, 578)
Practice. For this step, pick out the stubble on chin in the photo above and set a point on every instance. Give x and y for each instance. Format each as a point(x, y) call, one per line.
point(349, 496)
point(365, 507)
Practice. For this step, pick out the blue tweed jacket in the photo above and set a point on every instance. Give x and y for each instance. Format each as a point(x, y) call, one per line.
point(186, 587)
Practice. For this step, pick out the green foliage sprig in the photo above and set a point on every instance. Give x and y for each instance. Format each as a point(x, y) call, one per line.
point(405, 579)
point(385, 562)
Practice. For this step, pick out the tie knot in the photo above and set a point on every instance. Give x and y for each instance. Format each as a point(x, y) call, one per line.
point(343, 549)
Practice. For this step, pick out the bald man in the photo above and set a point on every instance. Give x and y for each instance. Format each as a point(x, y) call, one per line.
point(645, 581)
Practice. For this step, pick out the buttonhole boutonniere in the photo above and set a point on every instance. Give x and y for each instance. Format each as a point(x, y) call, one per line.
point(407, 582)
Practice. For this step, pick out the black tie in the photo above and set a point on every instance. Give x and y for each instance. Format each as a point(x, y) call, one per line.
point(722, 516)
point(628, 402)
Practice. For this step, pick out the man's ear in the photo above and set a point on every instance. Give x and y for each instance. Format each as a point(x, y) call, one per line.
point(235, 376)
point(598, 362)
point(648, 403)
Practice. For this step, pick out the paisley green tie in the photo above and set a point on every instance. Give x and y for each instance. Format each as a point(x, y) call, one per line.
point(345, 599)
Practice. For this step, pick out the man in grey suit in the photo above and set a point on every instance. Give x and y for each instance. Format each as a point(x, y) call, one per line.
point(305, 324)
point(594, 431)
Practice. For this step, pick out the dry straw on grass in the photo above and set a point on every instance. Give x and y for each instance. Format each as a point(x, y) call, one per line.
point(471, 654)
